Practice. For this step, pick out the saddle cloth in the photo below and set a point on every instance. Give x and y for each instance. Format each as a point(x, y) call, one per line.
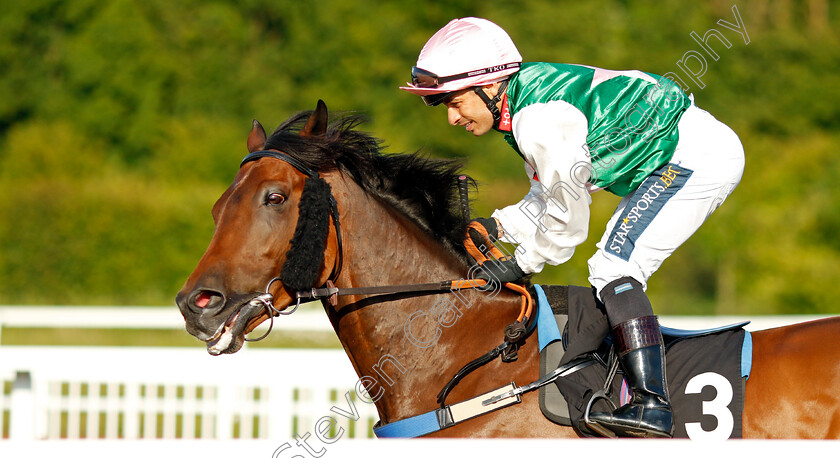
point(706, 370)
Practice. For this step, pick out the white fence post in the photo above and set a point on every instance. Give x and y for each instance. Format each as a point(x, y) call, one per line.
point(22, 411)
point(224, 412)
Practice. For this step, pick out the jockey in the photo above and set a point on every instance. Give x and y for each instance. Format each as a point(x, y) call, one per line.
point(580, 129)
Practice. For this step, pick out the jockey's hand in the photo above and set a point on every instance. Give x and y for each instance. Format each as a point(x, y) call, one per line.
point(490, 224)
point(499, 272)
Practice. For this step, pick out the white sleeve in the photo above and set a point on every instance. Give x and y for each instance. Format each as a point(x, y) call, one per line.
point(553, 218)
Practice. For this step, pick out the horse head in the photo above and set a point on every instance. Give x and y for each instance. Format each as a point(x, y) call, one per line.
point(272, 224)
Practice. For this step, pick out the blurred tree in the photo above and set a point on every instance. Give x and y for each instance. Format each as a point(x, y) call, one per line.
point(121, 121)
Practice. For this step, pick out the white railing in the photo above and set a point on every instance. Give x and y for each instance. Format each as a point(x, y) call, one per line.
point(141, 393)
point(50, 392)
point(310, 317)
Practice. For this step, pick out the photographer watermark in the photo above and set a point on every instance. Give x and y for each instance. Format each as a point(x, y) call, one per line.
point(638, 124)
point(326, 429)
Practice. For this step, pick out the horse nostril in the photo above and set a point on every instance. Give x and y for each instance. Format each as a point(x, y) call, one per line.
point(203, 299)
point(208, 299)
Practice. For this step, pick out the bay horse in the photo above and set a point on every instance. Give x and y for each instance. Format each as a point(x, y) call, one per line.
point(399, 224)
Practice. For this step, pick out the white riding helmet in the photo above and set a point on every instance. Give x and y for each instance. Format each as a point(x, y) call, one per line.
point(465, 53)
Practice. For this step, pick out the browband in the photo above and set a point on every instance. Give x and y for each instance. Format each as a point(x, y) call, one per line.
point(296, 163)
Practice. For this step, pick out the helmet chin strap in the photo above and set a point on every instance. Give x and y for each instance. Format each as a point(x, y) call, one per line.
point(491, 103)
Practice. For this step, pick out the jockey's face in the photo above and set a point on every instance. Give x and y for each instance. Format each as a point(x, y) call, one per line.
point(465, 108)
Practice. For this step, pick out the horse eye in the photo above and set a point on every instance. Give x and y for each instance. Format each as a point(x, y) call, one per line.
point(275, 198)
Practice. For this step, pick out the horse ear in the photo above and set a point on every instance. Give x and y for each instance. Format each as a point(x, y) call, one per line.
point(256, 139)
point(317, 124)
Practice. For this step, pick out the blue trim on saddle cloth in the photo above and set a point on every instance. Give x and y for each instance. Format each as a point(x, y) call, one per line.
point(746, 355)
point(410, 427)
point(746, 347)
point(673, 332)
point(547, 330)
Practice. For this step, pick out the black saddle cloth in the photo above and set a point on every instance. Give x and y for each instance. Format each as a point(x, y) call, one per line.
point(703, 370)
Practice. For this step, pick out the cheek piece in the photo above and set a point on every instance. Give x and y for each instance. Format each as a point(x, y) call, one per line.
point(306, 254)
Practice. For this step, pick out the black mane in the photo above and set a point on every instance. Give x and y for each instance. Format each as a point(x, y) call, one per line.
point(424, 189)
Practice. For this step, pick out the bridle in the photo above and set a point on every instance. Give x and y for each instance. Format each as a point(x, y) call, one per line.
point(329, 290)
point(267, 299)
point(514, 332)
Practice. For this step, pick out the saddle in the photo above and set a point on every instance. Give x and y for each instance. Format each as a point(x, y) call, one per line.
point(706, 370)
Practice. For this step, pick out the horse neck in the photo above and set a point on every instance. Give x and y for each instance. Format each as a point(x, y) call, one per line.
point(406, 347)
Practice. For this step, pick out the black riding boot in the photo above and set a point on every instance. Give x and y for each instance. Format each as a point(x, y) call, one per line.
point(642, 356)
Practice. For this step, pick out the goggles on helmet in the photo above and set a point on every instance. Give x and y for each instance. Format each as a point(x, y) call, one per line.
point(426, 79)
point(433, 100)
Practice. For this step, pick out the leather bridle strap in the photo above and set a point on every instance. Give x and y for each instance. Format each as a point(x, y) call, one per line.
point(331, 291)
point(294, 162)
point(340, 261)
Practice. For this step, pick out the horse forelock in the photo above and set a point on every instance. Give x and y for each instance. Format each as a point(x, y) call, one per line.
point(422, 188)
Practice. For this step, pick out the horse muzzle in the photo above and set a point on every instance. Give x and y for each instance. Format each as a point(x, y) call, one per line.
point(230, 335)
point(218, 320)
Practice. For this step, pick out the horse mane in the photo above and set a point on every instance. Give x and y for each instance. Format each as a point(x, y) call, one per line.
point(423, 189)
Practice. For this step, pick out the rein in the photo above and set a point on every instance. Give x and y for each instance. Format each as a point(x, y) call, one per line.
point(331, 291)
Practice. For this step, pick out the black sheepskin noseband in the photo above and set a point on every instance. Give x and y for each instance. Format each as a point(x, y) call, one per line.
point(306, 253)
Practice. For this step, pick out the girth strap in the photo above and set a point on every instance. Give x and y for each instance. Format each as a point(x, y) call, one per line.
point(450, 415)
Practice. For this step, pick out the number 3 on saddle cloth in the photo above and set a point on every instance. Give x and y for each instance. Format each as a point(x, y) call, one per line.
point(706, 370)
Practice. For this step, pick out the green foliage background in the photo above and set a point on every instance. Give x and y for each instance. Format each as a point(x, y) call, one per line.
point(121, 122)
